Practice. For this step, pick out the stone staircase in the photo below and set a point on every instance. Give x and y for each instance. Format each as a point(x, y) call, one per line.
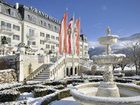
point(44, 74)
point(40, 74)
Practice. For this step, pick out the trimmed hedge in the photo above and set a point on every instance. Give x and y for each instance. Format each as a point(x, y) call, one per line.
point(27, 88)
point(42, 92)
point(59, 95)
point(10, 95)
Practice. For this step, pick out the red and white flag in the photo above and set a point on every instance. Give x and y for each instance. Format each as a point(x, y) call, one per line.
point(69, 32)
point(77, 34)
point(63, 35)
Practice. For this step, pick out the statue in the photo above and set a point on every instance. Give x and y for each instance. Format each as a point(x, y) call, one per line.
point(4, 40)
point(108, 31)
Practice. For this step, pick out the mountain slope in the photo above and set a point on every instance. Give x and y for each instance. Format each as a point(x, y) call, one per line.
point(121, 45)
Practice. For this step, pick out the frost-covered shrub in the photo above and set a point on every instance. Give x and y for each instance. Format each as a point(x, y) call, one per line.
point(28, 88)
point(138, 83)
point(59, 87)
point(54, 83)
point(64, 93)
point(15, 103)
point(123, 80)
point(95, 80)
point(71, 81)
point(56, 96)
point(5, 86)
point(50, 98)
point(38, 92)
point(9, 95)
point(130, 73)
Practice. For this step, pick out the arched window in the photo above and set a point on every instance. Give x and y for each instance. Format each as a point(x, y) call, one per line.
point(67, 71)
point(75, 70)
point(71, 71)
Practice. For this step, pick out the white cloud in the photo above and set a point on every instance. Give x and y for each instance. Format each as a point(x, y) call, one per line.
point(93, 44)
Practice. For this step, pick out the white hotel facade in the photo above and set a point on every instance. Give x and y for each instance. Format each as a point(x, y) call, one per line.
point(33, 28)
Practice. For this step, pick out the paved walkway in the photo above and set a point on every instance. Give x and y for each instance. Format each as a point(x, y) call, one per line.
point(65, 101)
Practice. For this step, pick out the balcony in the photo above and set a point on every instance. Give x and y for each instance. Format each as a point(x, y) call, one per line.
point(31, 37)
point(49, 40)
point(6, 30)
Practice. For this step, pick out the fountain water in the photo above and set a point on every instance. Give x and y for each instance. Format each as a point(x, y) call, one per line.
point(107, 92)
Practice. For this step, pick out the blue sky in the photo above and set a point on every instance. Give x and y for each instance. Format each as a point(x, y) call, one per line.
point(123, 16)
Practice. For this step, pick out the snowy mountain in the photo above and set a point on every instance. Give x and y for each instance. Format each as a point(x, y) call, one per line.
point(121, 45)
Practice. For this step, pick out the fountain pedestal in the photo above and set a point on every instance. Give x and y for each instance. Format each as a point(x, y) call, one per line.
point(108, 87)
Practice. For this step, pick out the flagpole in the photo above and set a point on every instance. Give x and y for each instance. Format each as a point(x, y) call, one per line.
point(73, 44)
point(66, 52)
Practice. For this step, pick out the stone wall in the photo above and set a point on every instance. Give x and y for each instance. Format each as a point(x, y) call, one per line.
point(29, 63)
point(7, 76)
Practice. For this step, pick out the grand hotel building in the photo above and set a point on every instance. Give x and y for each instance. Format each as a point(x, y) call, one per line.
point(39, 31)
point(38, 34)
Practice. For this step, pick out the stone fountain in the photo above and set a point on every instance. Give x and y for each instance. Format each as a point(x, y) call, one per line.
point(108, 86)
point(107, 92)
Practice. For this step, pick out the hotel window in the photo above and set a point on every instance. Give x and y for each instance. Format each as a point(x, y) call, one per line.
point(52, 47)
point(6, 26)
point(31, 32)
point(47, 36)
point(8, 11)
point(57, 45)
point(42, 34)
point(52, 37)
point(29, 17)
point(47, 46)
point(16, 37)
point(33, 43)
point(49, 26)
point(45, 24)
point(57, 38)
point(41, 41)
point(55, 28)
point(41, 22)
point(13, 13)
point(15, 27)
point(9, 26)
point(34, 19)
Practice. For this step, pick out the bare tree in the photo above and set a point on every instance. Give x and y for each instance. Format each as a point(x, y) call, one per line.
point(124, 63)
point(134, 54)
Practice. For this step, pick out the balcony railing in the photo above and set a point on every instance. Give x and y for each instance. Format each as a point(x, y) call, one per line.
point(6, 30)
point(31, 37)
point(51, 40)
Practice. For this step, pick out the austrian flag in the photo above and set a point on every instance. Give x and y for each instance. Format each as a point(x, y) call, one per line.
point(69, 32)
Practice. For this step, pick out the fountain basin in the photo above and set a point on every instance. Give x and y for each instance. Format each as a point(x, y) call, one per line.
point(108, 59)
point(108, 40)
point(85, 94)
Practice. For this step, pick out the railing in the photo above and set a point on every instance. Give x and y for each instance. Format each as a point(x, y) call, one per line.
point(56, 66)
point(55, 41)
point(5, 29)
point(86, 63)
point(36, 72)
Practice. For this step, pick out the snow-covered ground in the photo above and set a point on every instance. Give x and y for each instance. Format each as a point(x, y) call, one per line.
point(65, 101)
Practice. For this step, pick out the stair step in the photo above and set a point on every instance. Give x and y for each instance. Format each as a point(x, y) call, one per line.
point(40, 78)
point(44, 73)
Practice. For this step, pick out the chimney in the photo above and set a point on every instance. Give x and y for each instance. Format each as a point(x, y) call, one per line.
point(17, 5)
